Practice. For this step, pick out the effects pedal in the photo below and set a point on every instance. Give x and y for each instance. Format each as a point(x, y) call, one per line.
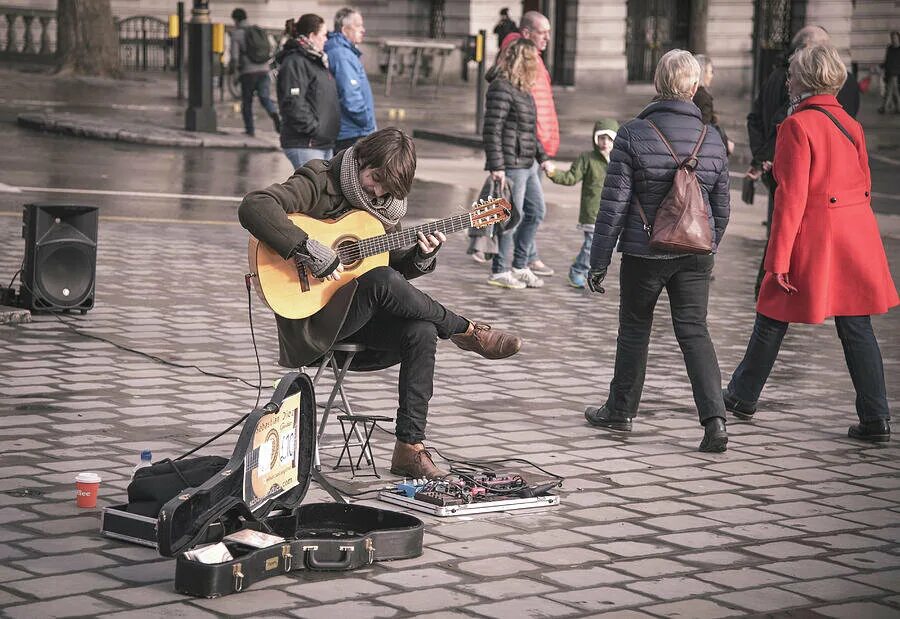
point(438, 498)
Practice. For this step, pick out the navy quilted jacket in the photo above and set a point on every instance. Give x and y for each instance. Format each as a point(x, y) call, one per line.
point(641, 163)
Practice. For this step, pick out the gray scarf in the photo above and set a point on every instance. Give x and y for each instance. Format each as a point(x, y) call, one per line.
point(387, 210)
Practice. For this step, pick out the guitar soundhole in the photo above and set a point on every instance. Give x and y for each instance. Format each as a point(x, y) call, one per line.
point(346, 245)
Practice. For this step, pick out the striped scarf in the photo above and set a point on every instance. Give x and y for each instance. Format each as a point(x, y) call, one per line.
point(387, 210)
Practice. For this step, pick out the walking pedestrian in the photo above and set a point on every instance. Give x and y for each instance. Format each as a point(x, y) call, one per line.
point(307, 94)
point(354, 92)
point(589, 170)
point(513, 151)
point(536, 28)
point(641, 172)
point(704, 100)
point(770, 109)
point(825, 256)
point(504, 26)
point(250, 56)
point(891, 101)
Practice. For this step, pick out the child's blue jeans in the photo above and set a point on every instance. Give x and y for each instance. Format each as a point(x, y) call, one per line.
point(582, 263)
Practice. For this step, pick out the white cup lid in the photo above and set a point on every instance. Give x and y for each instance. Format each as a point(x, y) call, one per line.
point(88, 478)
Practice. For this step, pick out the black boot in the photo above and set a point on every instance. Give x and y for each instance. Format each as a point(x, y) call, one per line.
point(715, 438)
point(602, 417)
point(873, 431)
point(740, 408)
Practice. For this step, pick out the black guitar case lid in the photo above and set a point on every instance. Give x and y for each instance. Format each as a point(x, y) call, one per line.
point(183, 521)
point(319, 536)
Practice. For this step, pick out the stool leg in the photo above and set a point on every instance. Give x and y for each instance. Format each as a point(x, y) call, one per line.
point(325, 360)
point(346, 448)
point(338, 388)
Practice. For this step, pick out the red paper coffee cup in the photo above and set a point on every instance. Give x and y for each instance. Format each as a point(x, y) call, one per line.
point(86, 487)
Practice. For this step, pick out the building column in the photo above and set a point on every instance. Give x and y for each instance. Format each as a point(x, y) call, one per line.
point(601, 59)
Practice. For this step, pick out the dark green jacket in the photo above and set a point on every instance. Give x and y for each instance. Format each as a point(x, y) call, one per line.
point(590, 170)
point(314, 190)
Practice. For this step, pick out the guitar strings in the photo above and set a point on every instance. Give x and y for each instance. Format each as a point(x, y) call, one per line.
point(395, 240)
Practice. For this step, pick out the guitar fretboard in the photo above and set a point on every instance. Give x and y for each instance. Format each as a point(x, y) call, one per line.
point(375, 245)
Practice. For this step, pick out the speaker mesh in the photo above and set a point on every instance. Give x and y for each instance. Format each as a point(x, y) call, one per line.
point(65, 273)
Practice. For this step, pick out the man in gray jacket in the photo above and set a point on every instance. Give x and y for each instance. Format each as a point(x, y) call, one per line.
point(253, 71)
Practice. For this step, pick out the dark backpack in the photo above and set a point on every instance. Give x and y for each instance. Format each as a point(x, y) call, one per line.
point(256, 42)
point(681, 224)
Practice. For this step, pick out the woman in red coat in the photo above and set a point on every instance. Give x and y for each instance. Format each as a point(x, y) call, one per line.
point(825, 256)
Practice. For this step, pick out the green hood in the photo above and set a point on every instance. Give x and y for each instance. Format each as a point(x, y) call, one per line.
point(604, 124)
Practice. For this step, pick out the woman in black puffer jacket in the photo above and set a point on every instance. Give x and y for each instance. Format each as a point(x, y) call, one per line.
point(514, 153)
point(307, 94)
point(641, 167)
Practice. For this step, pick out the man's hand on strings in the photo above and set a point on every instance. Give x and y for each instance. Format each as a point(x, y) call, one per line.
point(430, 243)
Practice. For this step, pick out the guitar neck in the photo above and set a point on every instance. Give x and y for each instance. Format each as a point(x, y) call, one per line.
point(408, 236)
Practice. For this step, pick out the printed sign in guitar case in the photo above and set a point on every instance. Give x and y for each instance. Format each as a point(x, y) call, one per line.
point(255, 503)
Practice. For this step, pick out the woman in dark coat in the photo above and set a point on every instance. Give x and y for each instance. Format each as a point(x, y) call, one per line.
point(513, 153)
point(642, 169)
point(307, 95)
point(825, 257)
point(703, 99)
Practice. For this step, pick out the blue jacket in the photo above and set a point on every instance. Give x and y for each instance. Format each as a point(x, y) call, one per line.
point(641, 163)
point(354, 92)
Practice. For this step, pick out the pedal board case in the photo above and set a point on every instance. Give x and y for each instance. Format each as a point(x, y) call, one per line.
point(318, 536)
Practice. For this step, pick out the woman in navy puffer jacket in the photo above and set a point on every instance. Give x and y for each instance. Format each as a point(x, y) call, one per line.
point(642, 167)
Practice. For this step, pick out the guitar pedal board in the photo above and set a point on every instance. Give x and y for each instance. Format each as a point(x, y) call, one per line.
point(472, 493)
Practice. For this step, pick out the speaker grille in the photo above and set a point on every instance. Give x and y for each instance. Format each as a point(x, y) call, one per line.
point(64, 276)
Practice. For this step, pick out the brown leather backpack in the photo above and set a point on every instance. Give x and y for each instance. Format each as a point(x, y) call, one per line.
point(682, 220)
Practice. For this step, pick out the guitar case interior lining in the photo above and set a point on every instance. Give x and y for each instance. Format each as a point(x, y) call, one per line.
point(318, 536)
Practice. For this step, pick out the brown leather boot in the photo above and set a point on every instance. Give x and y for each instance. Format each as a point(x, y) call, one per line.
point(486, 342)
point(413, 460)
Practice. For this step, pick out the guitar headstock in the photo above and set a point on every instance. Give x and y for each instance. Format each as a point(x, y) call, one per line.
point(488, 212)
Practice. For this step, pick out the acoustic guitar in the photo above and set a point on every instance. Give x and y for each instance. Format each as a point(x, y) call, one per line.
point(361, 243)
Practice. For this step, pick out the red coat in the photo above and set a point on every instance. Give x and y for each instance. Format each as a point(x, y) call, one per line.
point(824, 233)
point(547, 121)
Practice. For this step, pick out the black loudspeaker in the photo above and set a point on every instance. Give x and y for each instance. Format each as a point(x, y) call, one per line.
point(60, 257)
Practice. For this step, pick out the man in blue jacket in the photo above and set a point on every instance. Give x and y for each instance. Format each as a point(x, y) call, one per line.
point(354, 92)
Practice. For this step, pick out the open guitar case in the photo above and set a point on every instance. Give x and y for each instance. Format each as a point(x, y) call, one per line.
point(318, 536)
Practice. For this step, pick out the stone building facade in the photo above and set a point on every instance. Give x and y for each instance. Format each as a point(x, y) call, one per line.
point(596, 43)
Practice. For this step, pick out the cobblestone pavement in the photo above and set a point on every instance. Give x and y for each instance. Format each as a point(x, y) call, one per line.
point(794, 517)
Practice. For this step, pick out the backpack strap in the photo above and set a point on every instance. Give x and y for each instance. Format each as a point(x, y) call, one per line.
point(671, 150)
point(648, 227)
point(834, 120)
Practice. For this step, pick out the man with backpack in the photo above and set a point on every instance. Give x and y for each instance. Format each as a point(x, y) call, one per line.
point(250, 56)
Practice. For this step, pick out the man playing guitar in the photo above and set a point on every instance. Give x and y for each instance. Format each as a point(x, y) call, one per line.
point(380, 308)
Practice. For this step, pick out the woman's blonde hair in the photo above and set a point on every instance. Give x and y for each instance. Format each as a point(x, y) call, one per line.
point(676, 75)
point(519, 64)
point(818, 70)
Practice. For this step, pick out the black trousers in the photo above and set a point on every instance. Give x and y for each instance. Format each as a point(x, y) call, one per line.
point(861, 352)
point(390, 315)
point(686, 280)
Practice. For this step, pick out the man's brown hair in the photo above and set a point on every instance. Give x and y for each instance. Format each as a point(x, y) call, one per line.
point(391, 155)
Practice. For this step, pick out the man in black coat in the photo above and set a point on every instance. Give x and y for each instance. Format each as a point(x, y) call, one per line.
point(771, 107)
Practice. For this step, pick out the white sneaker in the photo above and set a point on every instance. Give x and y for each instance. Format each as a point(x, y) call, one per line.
point(527, 277)
point(506, 280)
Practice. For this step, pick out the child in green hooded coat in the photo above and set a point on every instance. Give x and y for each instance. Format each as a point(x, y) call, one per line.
point(590, 170)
